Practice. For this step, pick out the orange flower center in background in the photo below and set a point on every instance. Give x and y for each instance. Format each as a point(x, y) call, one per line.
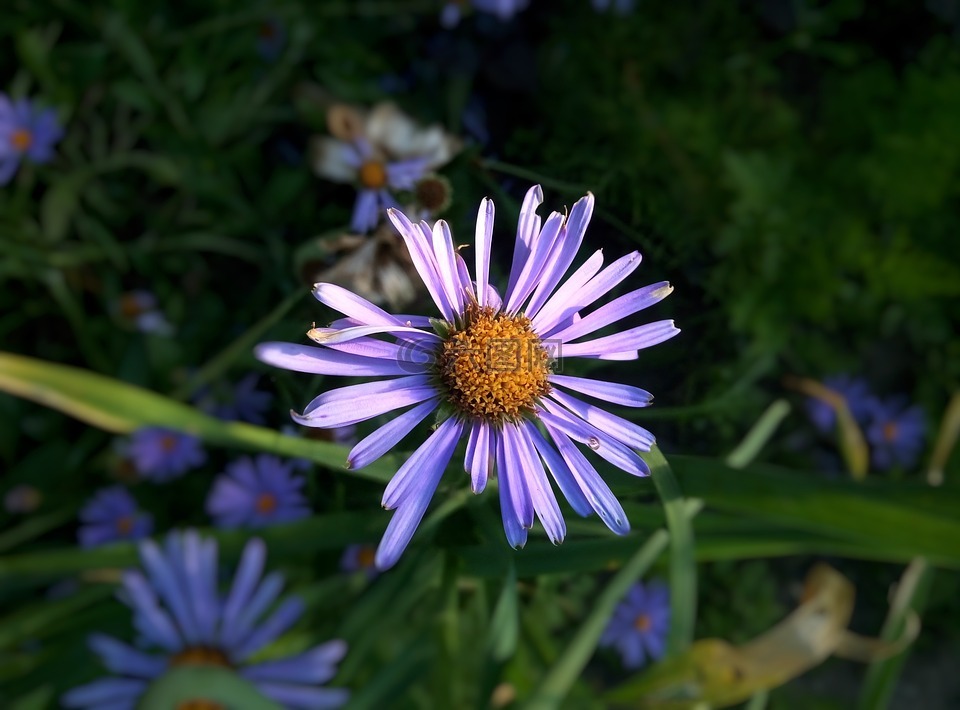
point(366, 556)
point(890, 431)
point(495, 367)
point(266, 503)
point(168, 442)
point(130, 305)
point(373, 174)
point(200, 656)
point(125, 525)
point(642, 623)
point(21, 139)
point(200, 704)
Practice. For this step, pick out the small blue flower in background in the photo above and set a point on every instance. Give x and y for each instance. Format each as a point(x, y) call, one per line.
point(244, 403)
point(179, 610)
point(25, 132)
point(255, 492)
point(161, 454)
point(854, 390)
point(112, 515)
point(639, 625)
point(271, 38)
point(360, 558)
point(895, 432)
point(377, 177)
point(620, 7)
point(504, 10)
point(139, 309)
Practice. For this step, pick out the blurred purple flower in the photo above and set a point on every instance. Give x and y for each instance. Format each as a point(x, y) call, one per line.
point(162, 454)
point(243, 403)
point(139, 308)
point(256, 492)
point(179, 610)
point(854, 390)
point(895, 432)
point(112, 515)
point(360, 558)
point(504, 10)
point(639, 625)
point(25, 132)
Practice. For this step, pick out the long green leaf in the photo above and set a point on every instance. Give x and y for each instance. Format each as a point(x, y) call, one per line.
point(122, 408)
point(683, 566)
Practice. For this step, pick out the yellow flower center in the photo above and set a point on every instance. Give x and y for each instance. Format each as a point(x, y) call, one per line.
point(125, 525)
point(266, 503)
point(642, 623)
point(200, 704)
point(495, 367)
point(21, 139)
point(200, 656)
point(366, 556)
point(373, 174)
point(890, 432)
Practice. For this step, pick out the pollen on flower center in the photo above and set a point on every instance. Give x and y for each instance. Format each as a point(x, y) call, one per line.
point(125, 525)
point(200, 656)
point(890, 431)
point(266, 503)
point(494, 367)
point(373, 174)
point(200, 704)
point(642, 623)
point(21, 139)
point(366, 556)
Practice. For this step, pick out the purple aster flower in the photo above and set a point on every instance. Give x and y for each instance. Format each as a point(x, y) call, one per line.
point(112, 515)
point(377, 177)
point(620, 7)
point(183, 619)
point(895, 432)
point(504, 10)
point(360, 558)
point(256, 492)
point(639, 625)
point(486, 365)
point(25, 131)
point(162, 454)
point(855, 392)
point(243, 403)
point(139, 308)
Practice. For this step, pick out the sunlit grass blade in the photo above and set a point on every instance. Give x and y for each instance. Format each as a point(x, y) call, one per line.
point(910, 598)
point(683, 566)
point(560, 678)
point(758, 436)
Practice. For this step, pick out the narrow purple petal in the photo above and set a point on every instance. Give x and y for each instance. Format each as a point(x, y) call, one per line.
point(421, 254)
point(536, 262)
point(597, 492)
point(478, 460)
point(381, 440)
point(106, 690)
point(604, 445)
point(364, 211)
point(325, 361)
point(483, 245)
point(617, 309)
point(447, 265)
point(412, 504)
point(245, 580)
point(167, 583)
point(328, 336)
point(352, 305)
point(152, 621)
point(313, 667)
point(560, 259)
point(551, 311)
point(541, 494)
point(637, 338)
point(298, 697)
point(514, 472)
point(514, 530)
point(286, 615)
point(438, 446)
point(621, 429)
point(356, 403)
point(527, 229)
point(119, 657)
point(626, 395)
point(560, 472)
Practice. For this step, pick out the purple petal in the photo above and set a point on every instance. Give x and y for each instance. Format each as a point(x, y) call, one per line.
point(625, 431)
point(389, 435)
point(536, 262)
point(119, 657)
point(439, 445)
point(637, 338)
point(325, 361)
point(617, 309)
point(478, 461)
point(245, 580)
point(331, 336)
point(356, 403)
point(297, 697)
point(447, 265)
point(553, 310)
point(512, 527)
point(352, 305)
point(364, 212)
point(527, 229)
point(514, 471)
point(421, 253)
point(560, 472)
point(560, 259)
point(626, 395)
point(413, 503)
point(276, 624)
point(604, 445)
point(541, 494)
point(313, 667)
point(106, 690)
point(483, 245)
